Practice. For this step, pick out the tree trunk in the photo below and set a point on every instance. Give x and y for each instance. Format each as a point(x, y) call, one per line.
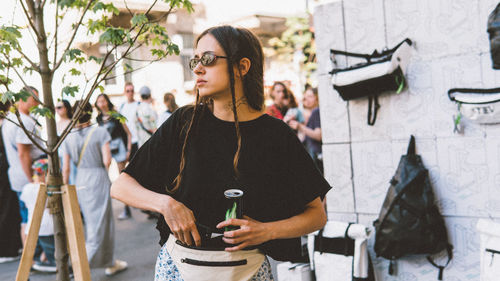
point(54, 177)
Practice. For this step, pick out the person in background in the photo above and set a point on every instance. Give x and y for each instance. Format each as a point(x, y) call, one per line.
point(121, 138)
point(20, 150)
point(309, 102)
point(312, 130)
point(129, 110)
point(145, 120)
point(88, 147)
point(65, 113)
point(45, 243)
point(10, 218)
point(63, 110)
point(279, 94)
point(293, 112)
point(171, 105)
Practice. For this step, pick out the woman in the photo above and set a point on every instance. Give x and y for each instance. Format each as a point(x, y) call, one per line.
point(10, 218)
point(293, 112)
point(88, 148)
point(121, 138)
point(280, 94)
point(225, 141)
point(171, 105)
point(63, 110)
point(309, 102)
point(312, 129)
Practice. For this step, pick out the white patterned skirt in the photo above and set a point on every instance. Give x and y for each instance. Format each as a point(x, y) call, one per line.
point(165, 269)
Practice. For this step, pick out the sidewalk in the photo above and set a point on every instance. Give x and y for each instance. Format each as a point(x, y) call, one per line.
point(136, 242)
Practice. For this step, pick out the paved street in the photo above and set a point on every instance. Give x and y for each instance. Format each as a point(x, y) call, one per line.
point(136, 243)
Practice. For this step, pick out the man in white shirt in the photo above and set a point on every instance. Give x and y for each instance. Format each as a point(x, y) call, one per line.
point(146, 117)
point(129, 110)
point(20, 150)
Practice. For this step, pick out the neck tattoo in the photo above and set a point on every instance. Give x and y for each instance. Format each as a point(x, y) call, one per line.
point(239, 102)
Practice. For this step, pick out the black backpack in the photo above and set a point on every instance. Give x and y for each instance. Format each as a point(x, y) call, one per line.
point(494, 32)
point(409, 222)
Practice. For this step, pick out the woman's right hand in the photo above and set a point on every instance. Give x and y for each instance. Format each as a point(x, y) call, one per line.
point(181, 221)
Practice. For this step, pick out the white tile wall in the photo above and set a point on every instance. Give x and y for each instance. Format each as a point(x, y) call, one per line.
point(373, 169)
point(333, 112)
point(452, 50)
point(465, 175)
point(338, 166)
point(439, 28)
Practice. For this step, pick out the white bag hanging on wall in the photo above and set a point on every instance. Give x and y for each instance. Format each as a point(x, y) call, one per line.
point(340, 251)
point(477, 105)
point(489, 233)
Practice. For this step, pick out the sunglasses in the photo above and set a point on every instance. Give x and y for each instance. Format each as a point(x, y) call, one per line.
point(208, 58)
point(129, 91)
point(59, 107)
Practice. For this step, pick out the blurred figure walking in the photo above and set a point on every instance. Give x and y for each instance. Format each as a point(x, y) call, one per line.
point(88, 147)
point(171, 105)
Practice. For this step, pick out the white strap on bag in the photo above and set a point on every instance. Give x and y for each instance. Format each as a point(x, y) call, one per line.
point(489, 233)
point(207, 265)
point(87, 139)
point(344, 267)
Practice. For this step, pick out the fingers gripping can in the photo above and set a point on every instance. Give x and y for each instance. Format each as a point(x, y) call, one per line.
point(234, 206)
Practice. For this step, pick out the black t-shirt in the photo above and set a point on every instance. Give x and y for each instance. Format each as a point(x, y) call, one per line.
point(276, 174)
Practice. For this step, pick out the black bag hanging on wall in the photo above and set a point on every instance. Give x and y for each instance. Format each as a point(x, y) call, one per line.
point(409, 222)
point(494, 33)
point(380, 73)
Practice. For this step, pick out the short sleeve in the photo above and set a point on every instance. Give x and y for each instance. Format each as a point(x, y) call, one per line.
point(105, 136)
point(21, 136)
point(307, 181)
point(157, 159)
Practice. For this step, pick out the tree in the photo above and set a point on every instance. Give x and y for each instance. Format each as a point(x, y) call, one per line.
point(75, 16)
point(297, 39)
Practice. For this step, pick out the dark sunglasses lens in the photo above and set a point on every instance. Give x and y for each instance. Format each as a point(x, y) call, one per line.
point(207, 59)
point(59, 107)
point(193, 63)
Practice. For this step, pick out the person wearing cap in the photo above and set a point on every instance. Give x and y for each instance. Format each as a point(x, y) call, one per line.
point(145, 120)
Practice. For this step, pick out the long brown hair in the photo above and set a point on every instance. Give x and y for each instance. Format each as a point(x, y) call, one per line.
point(237, 43)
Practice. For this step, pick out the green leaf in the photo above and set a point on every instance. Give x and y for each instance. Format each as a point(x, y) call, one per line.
point(112, 35)
point(22, 95)
point(139, 19)
point(118, 116)
point(5, 80)
point(70, 90)
point(42, 111)
point(74, 72)
point(101, 88)
point(72, 54)
point(96, 59)
point(7, 96)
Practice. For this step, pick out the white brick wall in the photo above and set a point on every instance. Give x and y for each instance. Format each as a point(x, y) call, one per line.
point(451, 50)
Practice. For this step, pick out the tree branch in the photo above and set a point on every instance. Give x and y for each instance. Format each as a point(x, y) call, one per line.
point(56, 66)
point(22, 80)
point(126, 6)
point(29, 15)
point(34, 65)
point(29, 134)
point(55, 33)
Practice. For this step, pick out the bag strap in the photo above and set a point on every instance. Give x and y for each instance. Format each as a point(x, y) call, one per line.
point(411, 146)
point(141, 124)
point(87, 139)
point(373, 55)
point(449, 251)
point(372, 103)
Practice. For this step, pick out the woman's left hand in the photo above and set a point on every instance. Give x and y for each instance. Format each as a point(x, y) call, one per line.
point(250, 233)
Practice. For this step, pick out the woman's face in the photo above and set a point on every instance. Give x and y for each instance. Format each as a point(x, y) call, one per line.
point(310, 99)
point(211, 80)
point(61, 110)
point(102, 104)
point(279, 95)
